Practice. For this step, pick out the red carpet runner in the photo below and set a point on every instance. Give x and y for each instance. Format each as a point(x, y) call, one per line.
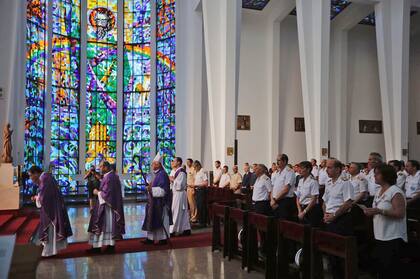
point(75, 250)
point(23, 223)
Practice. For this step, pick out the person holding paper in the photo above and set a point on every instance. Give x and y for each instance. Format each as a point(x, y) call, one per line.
point(107, 223)
point(389, 223)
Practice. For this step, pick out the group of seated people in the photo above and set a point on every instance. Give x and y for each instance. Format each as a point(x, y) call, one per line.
point(329, 195)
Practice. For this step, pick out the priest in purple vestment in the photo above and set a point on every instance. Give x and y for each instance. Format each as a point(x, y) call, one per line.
point(107, 220)
point(158, 210)
point(54, 227)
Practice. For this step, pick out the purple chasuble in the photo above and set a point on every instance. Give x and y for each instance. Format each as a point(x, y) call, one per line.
point(111, 192)
point(155, 206)
point(52, 209)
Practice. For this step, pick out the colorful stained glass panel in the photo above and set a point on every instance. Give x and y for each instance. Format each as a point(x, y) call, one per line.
point(165, 79)
point(101, 78)
point(36, 20)
point(137, 72)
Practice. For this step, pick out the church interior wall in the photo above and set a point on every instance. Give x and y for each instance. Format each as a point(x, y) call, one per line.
point(253, 89)
point(291, 102)
point(364, 101)
point(6, 49)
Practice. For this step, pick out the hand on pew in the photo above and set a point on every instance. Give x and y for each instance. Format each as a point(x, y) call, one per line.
point(329, 217)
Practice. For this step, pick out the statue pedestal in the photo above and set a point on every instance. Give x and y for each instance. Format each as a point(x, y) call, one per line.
point(9, 189)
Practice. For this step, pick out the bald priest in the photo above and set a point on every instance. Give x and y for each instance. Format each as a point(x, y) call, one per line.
point(158, 210)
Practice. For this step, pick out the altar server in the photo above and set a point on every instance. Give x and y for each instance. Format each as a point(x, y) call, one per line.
point(181, 219)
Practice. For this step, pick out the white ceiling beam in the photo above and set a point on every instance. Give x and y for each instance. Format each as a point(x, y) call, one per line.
point(351, 16)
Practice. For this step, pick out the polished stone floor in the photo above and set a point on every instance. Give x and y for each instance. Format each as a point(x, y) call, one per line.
point(79, 219)
point(180, 263)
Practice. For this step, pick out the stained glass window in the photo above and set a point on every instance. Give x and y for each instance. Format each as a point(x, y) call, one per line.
point(101, 78)
point(137, 72)
point(36, 20)
point(65, 58)
point(65, 92)
point(165, 75)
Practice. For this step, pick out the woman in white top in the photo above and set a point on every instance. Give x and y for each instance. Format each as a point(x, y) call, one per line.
point(309, 210)
point(389, 222)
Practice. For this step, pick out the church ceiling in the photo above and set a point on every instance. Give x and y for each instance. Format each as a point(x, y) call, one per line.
point(337, 6)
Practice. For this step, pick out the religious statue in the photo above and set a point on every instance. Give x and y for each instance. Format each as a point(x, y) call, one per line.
point(7, 144)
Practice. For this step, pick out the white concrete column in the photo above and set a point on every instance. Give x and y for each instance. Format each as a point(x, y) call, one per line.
point(221, 21)
point(189, 58)
point(313, 18)
point(280, 10)
point(339, 121)
point(393, 41)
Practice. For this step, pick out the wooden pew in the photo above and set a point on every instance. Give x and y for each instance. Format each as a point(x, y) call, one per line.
point(413, 224)
point(237, 217)
point(267, 225)
point(220, 212)
point(332, 244)
point(214, 195)
point(287, 232)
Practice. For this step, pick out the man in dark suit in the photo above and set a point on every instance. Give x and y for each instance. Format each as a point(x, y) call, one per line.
point(248, 179)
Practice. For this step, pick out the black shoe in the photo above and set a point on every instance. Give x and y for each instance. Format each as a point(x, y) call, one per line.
point(186, 233)
point(93, 251)
point(110, 249)
point(163, 242)
point(147, 241)
point(172, 235)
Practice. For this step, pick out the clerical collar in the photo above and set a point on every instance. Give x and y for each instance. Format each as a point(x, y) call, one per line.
point(156, 171)
point(178, 169)
point(107, 173)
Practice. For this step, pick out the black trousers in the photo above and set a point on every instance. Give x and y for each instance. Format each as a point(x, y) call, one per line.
point(201, 200)
point(343, 225)
point(286, 209)
point(414, 205)
point(386, 257)
point(262, 207)
point(314, 216)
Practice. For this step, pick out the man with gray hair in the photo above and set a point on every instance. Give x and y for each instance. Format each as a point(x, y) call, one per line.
point(158, 215)
point(262, 188)
point(338, 199)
